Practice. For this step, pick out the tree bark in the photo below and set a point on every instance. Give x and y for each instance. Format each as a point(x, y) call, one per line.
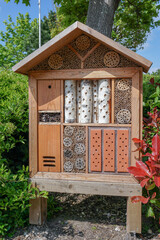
point(103, 104)
point(100, 15)
point(86, 101)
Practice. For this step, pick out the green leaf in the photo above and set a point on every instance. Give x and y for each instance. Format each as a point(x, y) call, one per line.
point(150, 212)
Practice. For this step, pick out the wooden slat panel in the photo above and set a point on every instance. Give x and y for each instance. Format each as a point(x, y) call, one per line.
point(109, 151)
point(122, 150)
point(91, 177)
point(32, 126)
point(78, 74)
point(135, 117)
point(38, 211)
point(49, 95)
point(95, 150)
point(49, 148)
point(87, 187)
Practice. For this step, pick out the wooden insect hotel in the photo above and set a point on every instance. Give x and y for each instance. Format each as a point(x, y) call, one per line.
point(85, 106)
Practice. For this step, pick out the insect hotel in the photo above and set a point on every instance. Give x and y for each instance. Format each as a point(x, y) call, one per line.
point(85, 106)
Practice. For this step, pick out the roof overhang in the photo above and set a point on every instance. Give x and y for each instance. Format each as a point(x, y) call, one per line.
point(66, 37)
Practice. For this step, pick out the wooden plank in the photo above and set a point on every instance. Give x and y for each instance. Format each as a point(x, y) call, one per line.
point(134, 222)
point(66, 37)
point(112, 101)
point(89, 52)
point(49, 95)
point(33, 159)
point(62, 120)
point(141, 106)
point(111, 178)
point(49, 148)
point(87, 153)
point(38, 211)
point(135, 117)
point(98, 124)
point(85, 187)
point(78, 74)
point(78, 55)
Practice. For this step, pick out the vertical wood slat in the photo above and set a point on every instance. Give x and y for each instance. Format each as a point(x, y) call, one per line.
point(33, 149)
point(87, 154)
point(38, 211)
point(141, 105)
point(134, 222)
point(62, 120)
point(109, 150)
point(95, 150)
point(135, 117)
point(122, 150)
point(49, 148)
point(112, 101)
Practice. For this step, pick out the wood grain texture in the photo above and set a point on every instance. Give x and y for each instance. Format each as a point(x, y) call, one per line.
point(134, 222)
point(135, 132)
point(49, 95)
point(33, 168)
point(78, 74)
point(38, 211)
point(66, 37)
point(112, 101)
point(87, 152)
point(91, 177)
point(87, 187)
point(141, 106)
point(49, 148)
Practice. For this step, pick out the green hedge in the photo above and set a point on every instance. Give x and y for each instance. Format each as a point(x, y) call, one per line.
point(13, 118)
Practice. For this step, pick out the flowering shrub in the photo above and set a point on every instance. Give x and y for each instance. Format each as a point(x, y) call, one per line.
point(148, 172)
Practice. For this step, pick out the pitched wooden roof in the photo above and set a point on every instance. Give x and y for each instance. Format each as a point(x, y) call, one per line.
point(65, 37)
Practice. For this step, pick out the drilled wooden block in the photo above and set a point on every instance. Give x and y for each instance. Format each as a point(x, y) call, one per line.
point(122, 150)
point(109, 150)
point(95, 150)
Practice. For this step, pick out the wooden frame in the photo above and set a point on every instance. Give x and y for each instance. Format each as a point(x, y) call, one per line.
point(115, 185)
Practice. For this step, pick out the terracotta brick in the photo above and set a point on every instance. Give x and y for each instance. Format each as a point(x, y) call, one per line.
point(109, 151)
point(95, 150)
point(122, 150)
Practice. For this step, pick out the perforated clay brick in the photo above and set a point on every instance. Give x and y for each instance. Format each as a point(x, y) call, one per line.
point(95, 150)
point(122, 150)
point(109, 150)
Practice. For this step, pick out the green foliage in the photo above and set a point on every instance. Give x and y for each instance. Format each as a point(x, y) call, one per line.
point(15, 193)
point(26, 2)
point(21, 38)
point(133, 20)
point(13, 118)
point(151, 94)
point(53, 207)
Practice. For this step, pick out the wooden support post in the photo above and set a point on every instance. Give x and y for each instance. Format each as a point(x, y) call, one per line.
point(133, 216)
point(38, 211)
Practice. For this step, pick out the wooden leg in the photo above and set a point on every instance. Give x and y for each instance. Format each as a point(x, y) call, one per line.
point(133, 216)
point(38, 211)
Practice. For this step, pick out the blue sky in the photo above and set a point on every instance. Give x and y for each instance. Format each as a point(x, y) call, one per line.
point(151, 49)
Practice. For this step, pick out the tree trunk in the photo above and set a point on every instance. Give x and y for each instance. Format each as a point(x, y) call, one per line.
point(100, 15)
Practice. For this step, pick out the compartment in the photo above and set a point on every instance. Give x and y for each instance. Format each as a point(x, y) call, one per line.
point(49, 148)
point(49, 95)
